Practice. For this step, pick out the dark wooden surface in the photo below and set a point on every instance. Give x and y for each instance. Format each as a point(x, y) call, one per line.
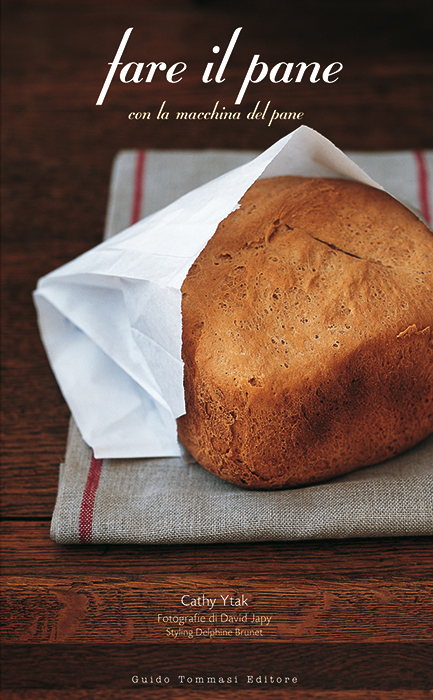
point(351, 619)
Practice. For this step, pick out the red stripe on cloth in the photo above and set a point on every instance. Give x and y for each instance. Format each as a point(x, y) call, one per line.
point(138, 187)
point(423, 189)
point(85, 520)
point(88, 501)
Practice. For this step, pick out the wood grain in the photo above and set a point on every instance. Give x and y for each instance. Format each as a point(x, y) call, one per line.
point(242, 694)
point(316, 667)
point(82, 619)
point(383, 559)
point(112, 610)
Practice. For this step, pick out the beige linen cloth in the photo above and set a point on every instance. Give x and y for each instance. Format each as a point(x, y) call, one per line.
point(174, 500)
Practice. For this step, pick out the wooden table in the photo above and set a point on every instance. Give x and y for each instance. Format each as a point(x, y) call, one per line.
point(351, 619)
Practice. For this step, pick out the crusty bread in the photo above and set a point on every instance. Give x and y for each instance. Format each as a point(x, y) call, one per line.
point(307, 334)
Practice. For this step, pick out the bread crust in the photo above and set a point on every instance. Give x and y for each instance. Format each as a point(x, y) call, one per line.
point(307, 335)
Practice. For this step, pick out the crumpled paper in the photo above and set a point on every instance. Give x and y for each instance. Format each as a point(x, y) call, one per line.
point(111, 321)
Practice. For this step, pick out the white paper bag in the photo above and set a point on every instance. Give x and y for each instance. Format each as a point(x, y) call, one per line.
point(111, 321)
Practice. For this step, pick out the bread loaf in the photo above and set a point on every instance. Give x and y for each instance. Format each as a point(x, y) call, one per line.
point(307, 334)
